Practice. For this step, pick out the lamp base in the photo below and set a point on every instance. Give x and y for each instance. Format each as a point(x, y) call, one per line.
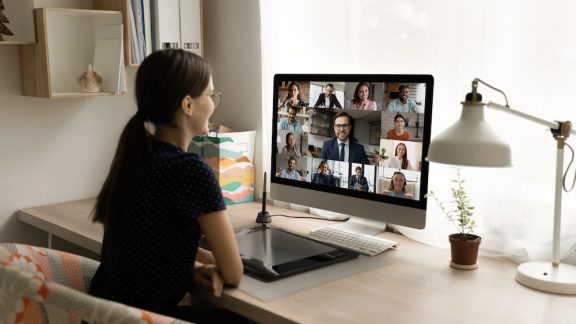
point(543, 276)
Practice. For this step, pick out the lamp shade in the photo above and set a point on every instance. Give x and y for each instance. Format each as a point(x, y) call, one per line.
point(471, 141)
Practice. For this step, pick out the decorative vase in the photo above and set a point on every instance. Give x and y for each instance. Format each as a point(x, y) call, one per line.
point(464, 251)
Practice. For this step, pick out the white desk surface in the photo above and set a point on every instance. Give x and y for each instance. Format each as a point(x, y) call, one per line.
point(416, 285)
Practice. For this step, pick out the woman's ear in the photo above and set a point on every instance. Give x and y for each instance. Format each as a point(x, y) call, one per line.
point(187, 105)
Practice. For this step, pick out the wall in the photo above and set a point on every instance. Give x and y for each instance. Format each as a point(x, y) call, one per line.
point(52, 150)
point(232, 45)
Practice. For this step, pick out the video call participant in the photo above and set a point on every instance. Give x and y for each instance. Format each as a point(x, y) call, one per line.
point(150, 254)
point(398, 186)
point(342, 148)
point(398, 132)
point(361, 100)
point(324, 175)
point(328, 98)
point(291, 123)
point(358, 181)
point(293, 98)
point(290, 172)
point(400, 158)
point(290, 148)
point(403, 104)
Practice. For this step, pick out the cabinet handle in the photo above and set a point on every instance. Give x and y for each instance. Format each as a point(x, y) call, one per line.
point(169, 45)
point(191, 45)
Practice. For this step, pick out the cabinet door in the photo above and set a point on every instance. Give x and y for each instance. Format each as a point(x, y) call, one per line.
point(166, 23)
point(190, 26)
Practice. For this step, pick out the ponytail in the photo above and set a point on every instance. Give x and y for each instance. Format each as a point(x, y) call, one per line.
point(133, 146)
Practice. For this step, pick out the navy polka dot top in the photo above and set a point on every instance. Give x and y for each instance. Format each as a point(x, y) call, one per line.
point(148, 255)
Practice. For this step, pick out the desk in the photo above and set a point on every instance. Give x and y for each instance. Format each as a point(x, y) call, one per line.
point(416, 285)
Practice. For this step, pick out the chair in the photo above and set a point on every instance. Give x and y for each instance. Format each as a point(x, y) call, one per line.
point(385, 184)
point(40, 285)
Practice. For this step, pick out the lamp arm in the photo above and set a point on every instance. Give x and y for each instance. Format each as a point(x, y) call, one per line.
point(475, 85)
point(552, 125)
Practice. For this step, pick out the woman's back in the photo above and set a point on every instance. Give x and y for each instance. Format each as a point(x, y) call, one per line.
point(148, 255)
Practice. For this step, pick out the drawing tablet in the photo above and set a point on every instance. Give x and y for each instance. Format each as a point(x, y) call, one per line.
point(269, 254)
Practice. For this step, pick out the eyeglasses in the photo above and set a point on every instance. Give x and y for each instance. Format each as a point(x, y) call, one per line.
point(215, 97)
point(342, 127)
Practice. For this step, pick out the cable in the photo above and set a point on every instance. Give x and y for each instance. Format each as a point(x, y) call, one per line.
point(567, 169)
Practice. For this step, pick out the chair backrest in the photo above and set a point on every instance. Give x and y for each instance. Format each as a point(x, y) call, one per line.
point(40, 285)
point(385, 184)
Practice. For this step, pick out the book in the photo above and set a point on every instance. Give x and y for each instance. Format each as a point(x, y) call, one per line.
point(108, 57)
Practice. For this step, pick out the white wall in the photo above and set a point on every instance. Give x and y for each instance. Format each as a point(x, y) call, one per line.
point(51, 150)
point(232, 46)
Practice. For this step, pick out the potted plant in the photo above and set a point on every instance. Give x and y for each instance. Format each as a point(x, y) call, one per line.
point(380, 156)
point(464, 245)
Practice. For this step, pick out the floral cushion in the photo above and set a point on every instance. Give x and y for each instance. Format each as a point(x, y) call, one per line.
point(39, 285)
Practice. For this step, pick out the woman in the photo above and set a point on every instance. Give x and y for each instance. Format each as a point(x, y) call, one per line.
point(398, 186)
point(361, 100)
point(158, 200)
point(293, 98)
point(290, 148)
point(400, 159)
point(398, 132)
point(324, 176)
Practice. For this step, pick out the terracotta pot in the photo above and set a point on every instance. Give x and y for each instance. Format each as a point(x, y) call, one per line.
point(464, 251)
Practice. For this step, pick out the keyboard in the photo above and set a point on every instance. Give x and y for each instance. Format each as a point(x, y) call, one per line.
point(361, 243)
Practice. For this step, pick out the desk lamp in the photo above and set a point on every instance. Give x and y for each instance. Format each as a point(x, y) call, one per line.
point(472, 142)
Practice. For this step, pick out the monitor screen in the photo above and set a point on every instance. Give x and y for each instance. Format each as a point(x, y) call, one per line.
point(353, 144)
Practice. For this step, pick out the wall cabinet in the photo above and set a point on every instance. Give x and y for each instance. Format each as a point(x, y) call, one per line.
point(68, 41)
point(167, 24)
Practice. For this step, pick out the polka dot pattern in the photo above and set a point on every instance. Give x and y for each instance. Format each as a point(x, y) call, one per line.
point(148, 256)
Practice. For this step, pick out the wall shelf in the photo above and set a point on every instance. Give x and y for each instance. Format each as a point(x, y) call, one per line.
point(69, 40)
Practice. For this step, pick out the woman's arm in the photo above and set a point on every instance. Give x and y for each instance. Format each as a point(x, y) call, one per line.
point(220, 236)
point(204, 256)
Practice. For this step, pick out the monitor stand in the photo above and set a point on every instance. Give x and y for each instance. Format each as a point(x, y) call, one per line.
point(362, 226)
point(353, 224)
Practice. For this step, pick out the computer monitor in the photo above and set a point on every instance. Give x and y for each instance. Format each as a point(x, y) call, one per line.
point(384, 121)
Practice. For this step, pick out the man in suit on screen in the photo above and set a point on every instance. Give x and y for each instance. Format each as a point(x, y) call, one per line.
point(342, 148)
point(328, 98)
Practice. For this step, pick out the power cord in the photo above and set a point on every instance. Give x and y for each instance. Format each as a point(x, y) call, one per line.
point(313, 217)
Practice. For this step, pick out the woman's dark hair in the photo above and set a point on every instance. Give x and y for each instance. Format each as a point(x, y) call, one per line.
point(405, 158)
point(163, 80)
point(293, 83)
point(400, 116)
point(356, 99)
point(391, 188)
point(288, 136)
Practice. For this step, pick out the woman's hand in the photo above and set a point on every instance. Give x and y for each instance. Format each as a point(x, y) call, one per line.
point(208, 277)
